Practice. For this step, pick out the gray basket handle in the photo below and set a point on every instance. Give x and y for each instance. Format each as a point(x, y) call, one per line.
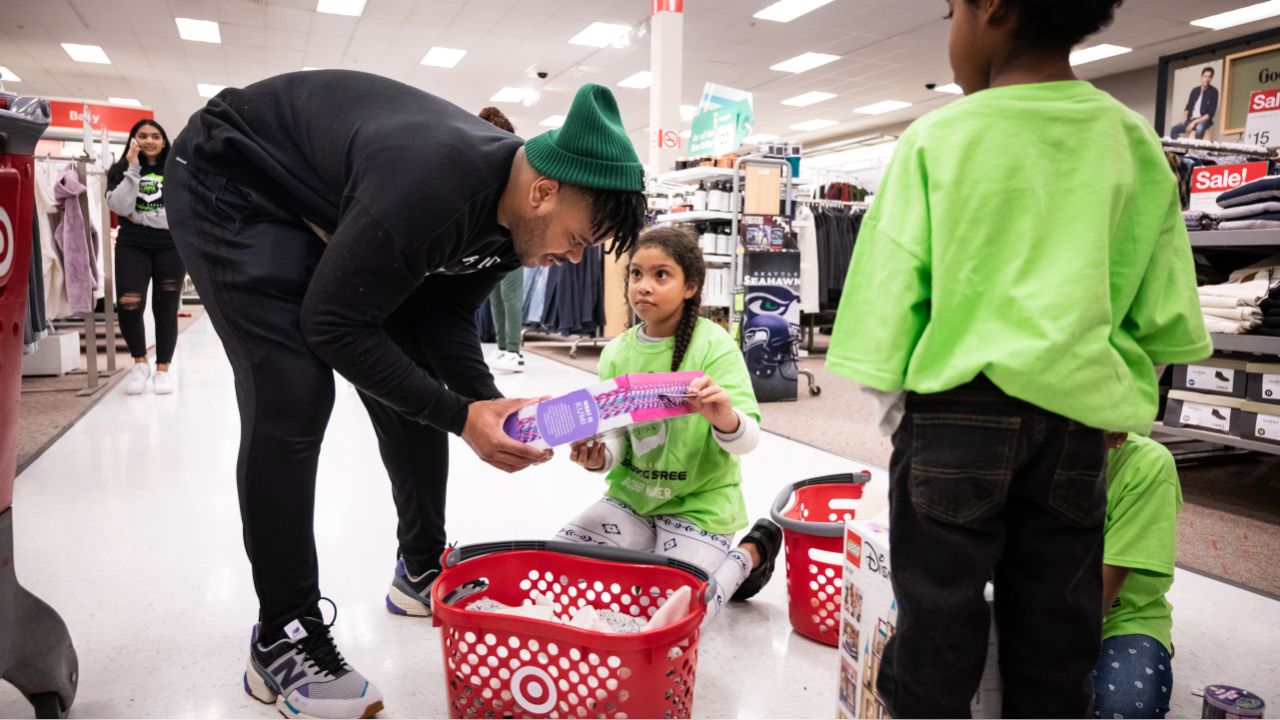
point(820, 529)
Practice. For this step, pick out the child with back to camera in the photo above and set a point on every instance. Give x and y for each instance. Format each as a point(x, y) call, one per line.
point(692, 512)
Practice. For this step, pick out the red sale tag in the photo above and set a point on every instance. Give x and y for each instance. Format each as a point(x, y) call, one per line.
point(1207, 183)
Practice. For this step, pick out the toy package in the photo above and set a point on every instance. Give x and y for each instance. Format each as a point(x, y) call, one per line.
point(607, 406)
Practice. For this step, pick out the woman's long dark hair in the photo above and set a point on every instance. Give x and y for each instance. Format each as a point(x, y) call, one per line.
point(681, 245)
point(116, 172)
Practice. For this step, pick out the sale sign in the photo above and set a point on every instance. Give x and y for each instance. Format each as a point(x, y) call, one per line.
point(1263, 126)
point(1207, 183)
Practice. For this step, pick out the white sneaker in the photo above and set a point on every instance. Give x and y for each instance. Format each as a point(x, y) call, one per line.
point(164, 384)
point(136, 383)
point(509, 362)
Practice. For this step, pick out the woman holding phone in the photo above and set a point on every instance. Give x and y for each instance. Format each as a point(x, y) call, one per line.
point(145, 253)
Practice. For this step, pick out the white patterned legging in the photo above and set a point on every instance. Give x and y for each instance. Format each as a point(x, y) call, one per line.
point(612, 522)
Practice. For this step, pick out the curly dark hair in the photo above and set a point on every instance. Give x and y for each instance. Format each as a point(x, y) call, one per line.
point(1059, 25)
point(681, 245)
point(497, 118)
point(617, 214)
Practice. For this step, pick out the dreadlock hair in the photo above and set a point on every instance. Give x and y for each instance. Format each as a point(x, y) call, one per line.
point(619, 214)
point(1056, 25)
point(681, 245)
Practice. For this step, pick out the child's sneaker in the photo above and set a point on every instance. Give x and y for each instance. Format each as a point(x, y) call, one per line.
point(410, 595)
point(163, 383)
point(136, 383)
point(767, 537)
point(304, 675)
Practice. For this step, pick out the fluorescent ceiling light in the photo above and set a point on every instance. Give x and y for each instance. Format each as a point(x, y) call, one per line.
point(352, 8)
point(198, 30)
point(87, 53)
point(207, 91)
point(950, 89)
point(809, 98)
point(788, 10)
point(131, 102)
point(881, 108)
point(305, 69)
point(807, 61)
point(8, 75)
point(639, 81)
point(1247, 14)
point(760, 138)
point(600, 34)
point(1097, 52)
point(443, 57)
point(688, 112)
point(813, 125)
point(513, 95)
point(554, 121)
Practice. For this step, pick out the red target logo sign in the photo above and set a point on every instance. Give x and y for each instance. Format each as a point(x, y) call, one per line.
point(534, 689)
point(6, 246)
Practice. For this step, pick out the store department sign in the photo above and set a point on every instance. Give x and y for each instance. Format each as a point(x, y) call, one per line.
point(70, 114)
point(1263, 126)
point(1247, 73)
point(1207, 183)
point(721, 131)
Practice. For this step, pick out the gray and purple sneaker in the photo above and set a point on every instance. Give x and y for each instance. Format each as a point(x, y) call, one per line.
point(305, 676)
point(410, 594)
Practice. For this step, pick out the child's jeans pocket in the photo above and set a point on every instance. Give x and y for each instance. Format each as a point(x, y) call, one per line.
point(961, 464)
point(1079, 489)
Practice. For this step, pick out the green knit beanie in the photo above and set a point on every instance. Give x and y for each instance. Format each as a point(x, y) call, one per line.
point(591, 149)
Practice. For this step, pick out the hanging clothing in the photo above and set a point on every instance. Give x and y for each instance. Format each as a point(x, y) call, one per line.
point(77, 241)
point(535, 295)
point(36, 327)
point(807, 239)
point(575, 296)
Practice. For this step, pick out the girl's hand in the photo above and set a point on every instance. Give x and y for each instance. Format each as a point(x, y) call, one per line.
point(588, 453)
point(134, 150)
point(713, 403)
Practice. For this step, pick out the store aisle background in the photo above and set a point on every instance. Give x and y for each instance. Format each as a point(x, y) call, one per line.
point(128, 525)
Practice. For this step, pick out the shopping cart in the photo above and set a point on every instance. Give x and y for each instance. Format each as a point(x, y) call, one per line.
point(504, 666)
point(812, 514)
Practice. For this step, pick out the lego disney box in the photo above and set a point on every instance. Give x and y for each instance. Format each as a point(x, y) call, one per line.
point(868, 618)
point(602, 408)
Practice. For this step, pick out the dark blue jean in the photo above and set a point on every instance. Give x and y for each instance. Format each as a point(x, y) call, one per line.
point(982, 487)
point(1133, 678)
point(1201, 129)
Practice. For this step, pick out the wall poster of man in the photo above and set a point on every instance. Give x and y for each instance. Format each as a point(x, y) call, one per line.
point(1196, 101)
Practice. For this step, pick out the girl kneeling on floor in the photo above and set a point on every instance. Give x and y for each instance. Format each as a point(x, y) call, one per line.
point(674, 485)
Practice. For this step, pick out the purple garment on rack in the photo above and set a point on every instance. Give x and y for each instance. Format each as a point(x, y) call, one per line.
point(77, 241)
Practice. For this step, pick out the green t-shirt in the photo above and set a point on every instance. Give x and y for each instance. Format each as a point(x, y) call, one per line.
point(1033, 234)
point(1143, 499)
point(675, 466)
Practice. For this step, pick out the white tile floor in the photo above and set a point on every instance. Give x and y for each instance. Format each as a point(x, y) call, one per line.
point(129, 527)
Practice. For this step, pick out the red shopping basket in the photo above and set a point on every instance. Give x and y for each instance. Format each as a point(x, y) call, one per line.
point(812, 514)
point(503, 666)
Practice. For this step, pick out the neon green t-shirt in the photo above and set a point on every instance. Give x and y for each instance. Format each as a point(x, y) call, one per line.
point(1033, 234)
point(675, 466)
point(1143, 499)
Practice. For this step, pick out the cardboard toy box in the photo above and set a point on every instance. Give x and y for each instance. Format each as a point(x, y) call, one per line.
point(607, 406)
point(1214, 376)
point(868, 618)
point(1263, 382)
point(1214, 413)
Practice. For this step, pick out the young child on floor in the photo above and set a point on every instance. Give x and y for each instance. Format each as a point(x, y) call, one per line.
point(1023, 267)
point(674, 485)
point(1133, 677)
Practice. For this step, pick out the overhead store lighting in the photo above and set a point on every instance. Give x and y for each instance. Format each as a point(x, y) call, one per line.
point(515, 95)
point(207, 91)
point(8, 75)
point(809, 98)
point(950, 89)
point(688, 112)
point(805, 62)
point(198, 30)
point(350, 8)
point(600, 35)
point(788, 10)
point(1242, 16)
point(307, 69)
point(639, 81)
point(554, 121)
point(881, 108)
point(809, 125)
point(131, 102)
point(87, 53)
point(443, 57)
point(1096, 53)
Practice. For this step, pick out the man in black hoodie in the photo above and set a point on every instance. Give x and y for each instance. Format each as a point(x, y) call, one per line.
point(335, 220)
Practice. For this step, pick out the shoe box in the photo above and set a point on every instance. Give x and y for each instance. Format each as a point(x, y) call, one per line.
point(868, 618)
point(1201, 411)
point(1263, 384)
point(1215, 376)
point(1259, 421)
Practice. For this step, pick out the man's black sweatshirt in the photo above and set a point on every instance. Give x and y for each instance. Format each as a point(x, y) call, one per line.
point(404, 186)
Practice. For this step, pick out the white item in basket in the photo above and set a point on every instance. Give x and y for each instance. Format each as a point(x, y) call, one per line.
point(673, 611)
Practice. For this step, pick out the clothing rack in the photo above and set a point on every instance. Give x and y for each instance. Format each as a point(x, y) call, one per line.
point(1219, 148)
point(95, 382)
point(852, 205)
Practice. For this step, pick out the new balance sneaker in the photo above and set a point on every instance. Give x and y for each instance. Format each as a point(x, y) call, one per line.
point(305, 676)
point(767, 537)
point(136, 383)
point(409, 594)
point(163, 383)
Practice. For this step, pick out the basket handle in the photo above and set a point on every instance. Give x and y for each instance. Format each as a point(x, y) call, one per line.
point(459, 555)
point(821, 529)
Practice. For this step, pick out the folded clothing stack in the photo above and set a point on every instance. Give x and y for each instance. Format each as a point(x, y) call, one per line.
point(1252, 206)
point(1270, 307)
point(1235, 307)
point(1199, 220)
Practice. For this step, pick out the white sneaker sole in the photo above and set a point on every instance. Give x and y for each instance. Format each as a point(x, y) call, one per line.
point(406, 605)
point(260, 691)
